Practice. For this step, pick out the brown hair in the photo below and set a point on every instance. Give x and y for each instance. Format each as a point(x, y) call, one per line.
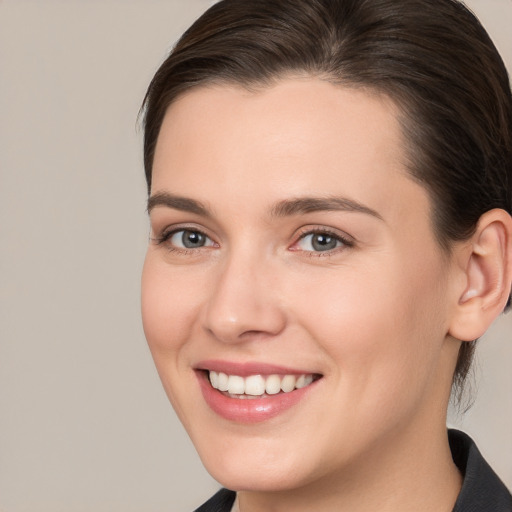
point(431, 57)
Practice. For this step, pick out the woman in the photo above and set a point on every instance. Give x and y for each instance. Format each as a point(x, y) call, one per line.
point(330, 195)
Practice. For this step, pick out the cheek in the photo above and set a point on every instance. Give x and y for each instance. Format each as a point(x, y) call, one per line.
point(169, 301)
point(169, 309)
point(381, 326)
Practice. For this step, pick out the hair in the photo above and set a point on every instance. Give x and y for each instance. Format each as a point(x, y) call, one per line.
point(432, 58)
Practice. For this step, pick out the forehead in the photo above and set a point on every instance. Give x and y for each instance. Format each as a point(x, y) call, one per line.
point(304, 104)
point(297, 136)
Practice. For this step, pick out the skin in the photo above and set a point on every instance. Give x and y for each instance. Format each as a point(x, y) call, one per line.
point(372, 316)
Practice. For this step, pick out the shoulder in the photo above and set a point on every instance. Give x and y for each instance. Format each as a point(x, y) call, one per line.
point(222, 501)
point(482, 490)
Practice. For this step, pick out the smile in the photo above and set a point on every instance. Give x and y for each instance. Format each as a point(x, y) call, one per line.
point(253, 392)
point(257, 386)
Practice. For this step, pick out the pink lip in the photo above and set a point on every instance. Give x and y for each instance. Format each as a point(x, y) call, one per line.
point(249, 368)
point(249, 410)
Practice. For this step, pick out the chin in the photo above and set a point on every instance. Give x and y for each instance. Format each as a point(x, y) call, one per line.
point(258, 470)
point(257, 477)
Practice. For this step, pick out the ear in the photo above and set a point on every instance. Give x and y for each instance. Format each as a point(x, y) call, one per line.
point(488, 276)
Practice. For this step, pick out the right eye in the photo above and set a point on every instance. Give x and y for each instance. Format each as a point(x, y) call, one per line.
point(188, 239)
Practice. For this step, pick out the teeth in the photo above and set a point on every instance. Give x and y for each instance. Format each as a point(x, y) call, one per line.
point(257, 385)
point(273, 385)
point(288, 383)
point(236, 385)
point(214, 379)
point(254, 385)
point(223, 382)
point(303, 381)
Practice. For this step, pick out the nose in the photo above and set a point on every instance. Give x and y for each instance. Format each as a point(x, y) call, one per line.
point(244, 302)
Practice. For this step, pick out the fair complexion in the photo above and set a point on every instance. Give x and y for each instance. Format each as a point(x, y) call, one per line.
point(287, 238)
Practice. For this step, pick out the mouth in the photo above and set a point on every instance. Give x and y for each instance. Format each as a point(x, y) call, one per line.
point(258, 386)
point(252, 393)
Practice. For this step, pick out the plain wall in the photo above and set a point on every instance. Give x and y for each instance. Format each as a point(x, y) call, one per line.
point(84, 423)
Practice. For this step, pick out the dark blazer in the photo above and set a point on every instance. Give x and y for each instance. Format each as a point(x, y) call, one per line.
point(482, 490)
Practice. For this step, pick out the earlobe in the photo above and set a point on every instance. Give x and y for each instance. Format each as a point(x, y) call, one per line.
point(488, 276)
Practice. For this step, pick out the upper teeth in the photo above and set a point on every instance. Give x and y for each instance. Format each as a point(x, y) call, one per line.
point(257, 385)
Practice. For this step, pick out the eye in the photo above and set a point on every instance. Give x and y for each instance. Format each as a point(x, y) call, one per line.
point(188, 239)
point(321, 241)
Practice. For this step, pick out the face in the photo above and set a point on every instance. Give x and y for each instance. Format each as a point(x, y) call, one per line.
point(294, 297)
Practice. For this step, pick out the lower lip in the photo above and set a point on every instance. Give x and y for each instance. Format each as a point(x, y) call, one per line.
point(249, 410)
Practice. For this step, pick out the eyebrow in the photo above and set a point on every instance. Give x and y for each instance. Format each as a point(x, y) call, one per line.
point(183, 204)
point(285, 208)
point(304, 205)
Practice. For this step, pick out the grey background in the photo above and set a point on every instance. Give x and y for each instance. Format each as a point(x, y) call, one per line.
point(84, 423)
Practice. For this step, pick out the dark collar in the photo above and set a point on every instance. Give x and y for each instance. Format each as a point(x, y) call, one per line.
point(220, 502)
point(482, 490)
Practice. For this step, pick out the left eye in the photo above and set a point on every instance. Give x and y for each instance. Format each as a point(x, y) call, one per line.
point(189, 239)
point(320, 242)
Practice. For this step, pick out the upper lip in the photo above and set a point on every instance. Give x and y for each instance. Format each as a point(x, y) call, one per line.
point(249, 368)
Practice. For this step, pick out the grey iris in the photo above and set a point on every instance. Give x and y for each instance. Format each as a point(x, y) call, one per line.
point(192, 239)
point(323, 242)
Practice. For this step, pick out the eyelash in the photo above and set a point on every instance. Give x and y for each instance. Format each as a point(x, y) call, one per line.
point(345, 241)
